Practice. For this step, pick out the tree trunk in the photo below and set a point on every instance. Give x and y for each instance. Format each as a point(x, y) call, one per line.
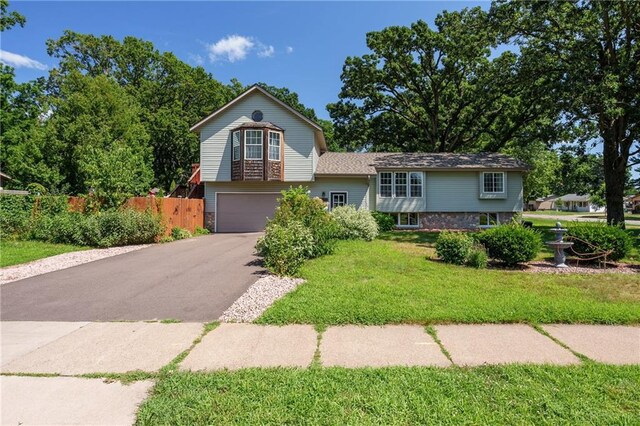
point(615, 166)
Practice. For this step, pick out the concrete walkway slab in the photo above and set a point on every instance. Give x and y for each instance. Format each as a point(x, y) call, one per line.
point(18, 338)
point(235, 346)
point(611, 344)
point(69, 401)
point(472, 345)
point(110, 348)
point(382, 346)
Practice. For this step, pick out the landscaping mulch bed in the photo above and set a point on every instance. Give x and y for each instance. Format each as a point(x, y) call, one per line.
point(575, 267)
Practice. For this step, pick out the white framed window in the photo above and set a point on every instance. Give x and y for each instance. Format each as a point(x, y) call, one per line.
point(235, 137)
point(400, 184)
point(253, 144)
point(488, 220)
point(415, 184)
point(493, 182)
point(274, 146)
point(407, 220)
point(386, 187)
point(339, 199)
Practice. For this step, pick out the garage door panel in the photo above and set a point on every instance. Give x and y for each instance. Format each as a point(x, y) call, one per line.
point(244, 212)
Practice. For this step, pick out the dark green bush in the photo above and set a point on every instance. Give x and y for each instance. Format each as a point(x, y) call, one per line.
point(285, 247)
point(453, 247)
point(477, 257)
point(385, 221)
point(18, 212)
point(297, 205)
point(511, 243)
point(590, 239)
point(180, 233)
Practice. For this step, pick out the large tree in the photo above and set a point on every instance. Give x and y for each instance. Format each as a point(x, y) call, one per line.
point(172, 94)
point(590, 50)
point(441, 89)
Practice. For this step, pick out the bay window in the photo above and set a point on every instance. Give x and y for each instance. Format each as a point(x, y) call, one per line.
point(274, 146)
point(253, 145)
point(236, 145)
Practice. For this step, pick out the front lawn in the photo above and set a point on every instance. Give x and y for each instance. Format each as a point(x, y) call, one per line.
point(587, 394)
point(16, 252)
point(390, 281)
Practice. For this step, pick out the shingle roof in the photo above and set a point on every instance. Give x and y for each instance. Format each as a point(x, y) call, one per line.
point(353, 163)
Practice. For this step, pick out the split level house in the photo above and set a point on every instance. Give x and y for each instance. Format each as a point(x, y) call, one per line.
point(256, 146)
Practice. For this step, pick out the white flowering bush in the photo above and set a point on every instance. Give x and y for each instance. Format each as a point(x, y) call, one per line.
point(355, 224)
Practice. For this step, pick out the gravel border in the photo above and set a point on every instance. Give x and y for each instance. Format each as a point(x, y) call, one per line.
point(260, 296)
point(60, 261)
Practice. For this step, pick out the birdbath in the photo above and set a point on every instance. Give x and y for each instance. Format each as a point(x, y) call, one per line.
point(559, 245)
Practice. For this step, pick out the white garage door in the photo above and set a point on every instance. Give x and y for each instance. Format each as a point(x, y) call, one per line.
point(244, 212)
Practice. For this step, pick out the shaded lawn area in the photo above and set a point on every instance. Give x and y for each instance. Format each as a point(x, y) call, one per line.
point(384, 282)
point(16, 252)
point(587, 394)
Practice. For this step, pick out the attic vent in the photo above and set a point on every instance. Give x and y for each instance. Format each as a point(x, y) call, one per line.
point(256, 115)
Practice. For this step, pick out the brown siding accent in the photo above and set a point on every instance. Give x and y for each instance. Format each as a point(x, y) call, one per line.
point(253, 170)
point(236, 170)
point(273, 171)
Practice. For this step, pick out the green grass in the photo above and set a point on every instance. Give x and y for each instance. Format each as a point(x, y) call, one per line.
point(16, 252)
point(588, 394)
point(385, 282)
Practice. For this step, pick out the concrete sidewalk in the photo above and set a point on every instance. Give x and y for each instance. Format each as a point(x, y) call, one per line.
point(74, 349)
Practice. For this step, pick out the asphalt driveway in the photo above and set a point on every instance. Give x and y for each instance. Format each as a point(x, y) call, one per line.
point(187, 280)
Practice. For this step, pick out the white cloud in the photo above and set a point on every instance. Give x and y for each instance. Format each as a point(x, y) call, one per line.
point(289, 49)
point(18, 61)
point(266, 51)
point(233, 48)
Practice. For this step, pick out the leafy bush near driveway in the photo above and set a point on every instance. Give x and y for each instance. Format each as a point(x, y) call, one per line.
point(178, 233)
point(355, 224)
point(454, 247)
point(17, 212)
point(285, 247)
point(201, 231)
point(511, 243)
point(297, 205)
point(589, 239)
point(385, 221)
point(108, 229)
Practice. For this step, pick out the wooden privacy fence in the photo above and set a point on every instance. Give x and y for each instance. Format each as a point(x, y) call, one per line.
point(187, 213)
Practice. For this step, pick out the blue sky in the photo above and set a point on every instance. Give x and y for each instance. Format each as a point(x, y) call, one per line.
point(299, 45)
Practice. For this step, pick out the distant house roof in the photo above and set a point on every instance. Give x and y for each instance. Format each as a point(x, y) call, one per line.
point(548, 198)
point(574, 197)
point(368, 163)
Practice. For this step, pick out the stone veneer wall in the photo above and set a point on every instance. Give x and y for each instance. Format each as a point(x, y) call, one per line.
point(431, 220)
point(210, 221)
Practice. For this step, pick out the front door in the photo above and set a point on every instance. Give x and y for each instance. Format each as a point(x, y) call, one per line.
point(338, 199)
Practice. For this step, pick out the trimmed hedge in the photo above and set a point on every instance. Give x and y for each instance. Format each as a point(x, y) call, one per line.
point(355, 224)
point(453, 247)
point(511, 243)
point(589, 239)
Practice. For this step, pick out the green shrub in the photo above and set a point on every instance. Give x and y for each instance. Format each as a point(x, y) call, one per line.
point(114, 228)
point(453, 247)
point(589, 239)
point(180, 233)
point(285, 247)
point(297, 205)
point(477, 257)
point(18, 212)
point(511, 243)
point(384, 220)
point(165, 239)
point(355, 224)
point(201, 231)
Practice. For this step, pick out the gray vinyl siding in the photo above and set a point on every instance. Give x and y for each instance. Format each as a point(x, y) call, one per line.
point(460, 192)
point(215, 140)
point(357, 189)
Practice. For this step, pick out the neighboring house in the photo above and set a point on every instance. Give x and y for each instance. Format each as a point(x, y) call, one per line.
point(634, 203)
point(576, 203)
point(256, 146)
point(543, 203)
